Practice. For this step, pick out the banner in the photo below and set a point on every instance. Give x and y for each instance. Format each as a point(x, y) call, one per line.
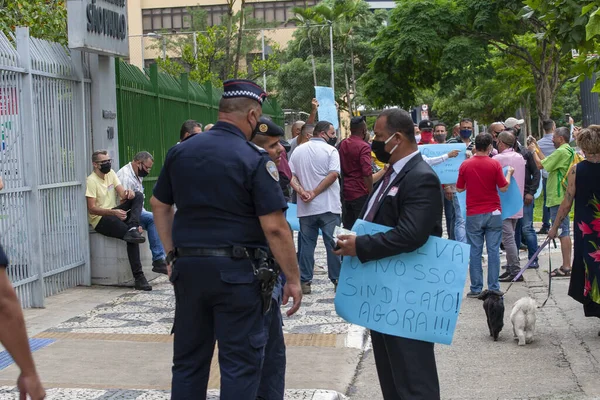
point(327, 109)
point(414, 295)
point(511, 200)
point(448, 170)
point(292, 217)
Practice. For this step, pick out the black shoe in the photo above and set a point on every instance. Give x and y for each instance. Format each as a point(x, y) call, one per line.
point(133, 236)
point(542, 231)
point(505, 275)
point(510, 278)
point(522, 247)
point(142, 284)
point(159, 266)
point(534, 265)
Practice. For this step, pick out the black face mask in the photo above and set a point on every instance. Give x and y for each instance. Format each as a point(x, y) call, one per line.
point(517, 132)
point(332, 141)
point(105, 167)
point(378, 147)
point(142, 172)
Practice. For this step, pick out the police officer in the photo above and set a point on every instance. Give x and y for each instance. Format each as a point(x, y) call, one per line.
point(229, 204)
point(272, 382)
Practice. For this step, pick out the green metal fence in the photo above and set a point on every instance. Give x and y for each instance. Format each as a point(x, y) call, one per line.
point(151, 106)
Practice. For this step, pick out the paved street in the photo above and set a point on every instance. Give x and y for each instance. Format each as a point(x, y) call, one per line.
point(114, 343)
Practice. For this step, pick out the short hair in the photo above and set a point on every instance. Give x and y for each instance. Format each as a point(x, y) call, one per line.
point(439, 123)
point(306, 127)
point(298, 123)
point(588, 140)
point(507, 138)
point(398, 120)
point(97, 153)
point(564, 132)
point(483, 141)
point(143, 156)
point(465, 120)
point(322, 126)
point(547, 125)
point(357, 125)
point(237, 105)
point(188, 127)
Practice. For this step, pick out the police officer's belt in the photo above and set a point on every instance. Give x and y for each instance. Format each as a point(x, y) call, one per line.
point(231, 252)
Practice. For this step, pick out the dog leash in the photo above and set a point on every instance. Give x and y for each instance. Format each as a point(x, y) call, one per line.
point(549, 275)
point(535, 255)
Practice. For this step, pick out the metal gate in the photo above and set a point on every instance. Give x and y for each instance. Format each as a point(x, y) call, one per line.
point(44, 126)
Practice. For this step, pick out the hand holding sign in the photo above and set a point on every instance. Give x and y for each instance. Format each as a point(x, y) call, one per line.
point(448, 170)
point(415, 295)
point(327, 105)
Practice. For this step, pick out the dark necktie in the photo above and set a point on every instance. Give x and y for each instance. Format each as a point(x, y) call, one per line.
point(384, 184)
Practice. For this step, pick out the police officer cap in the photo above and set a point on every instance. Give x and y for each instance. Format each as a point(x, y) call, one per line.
point(267, 127)
point(243, 88)
point(426, 124)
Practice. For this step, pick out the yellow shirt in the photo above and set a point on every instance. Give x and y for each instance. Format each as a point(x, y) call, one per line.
point(376, 161)
point(104, 191)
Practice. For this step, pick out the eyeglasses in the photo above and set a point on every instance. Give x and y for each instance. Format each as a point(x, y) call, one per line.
point(146, 167)
point(104, 162)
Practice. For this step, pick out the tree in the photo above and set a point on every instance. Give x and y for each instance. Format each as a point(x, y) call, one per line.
point(46, 19)
point(459, 39)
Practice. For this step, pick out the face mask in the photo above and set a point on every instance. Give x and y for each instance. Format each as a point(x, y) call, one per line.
point(254, 131)
point(518, 132)
point(332, 141)
point(378, 148)
point(465, 133)
point(440, 138)
point(426, 136)
point(142, 172)
point(105, 167)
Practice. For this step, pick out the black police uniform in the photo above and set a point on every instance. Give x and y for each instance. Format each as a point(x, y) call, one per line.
point(3, 258)
point(221, 184)
point(272, 381)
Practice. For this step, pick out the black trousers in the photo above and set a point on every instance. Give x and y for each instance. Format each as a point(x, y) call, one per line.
point(406, 368)
point(352, 210)
point(112, 226)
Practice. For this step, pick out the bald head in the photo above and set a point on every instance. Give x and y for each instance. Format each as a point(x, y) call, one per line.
point(296, 128)
point(208, 127)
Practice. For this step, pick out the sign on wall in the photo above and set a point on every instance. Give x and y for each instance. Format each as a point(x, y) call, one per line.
point(98, 26)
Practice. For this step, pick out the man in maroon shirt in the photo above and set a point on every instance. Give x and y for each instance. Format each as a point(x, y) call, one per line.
point(357, 174)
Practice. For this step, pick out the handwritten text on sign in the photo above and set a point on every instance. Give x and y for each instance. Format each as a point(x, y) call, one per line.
point(448, 170)
point(414, 295)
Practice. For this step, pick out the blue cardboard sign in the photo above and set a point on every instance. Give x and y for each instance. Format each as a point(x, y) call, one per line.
point(511, 200)
point(448, 170)
point(327, 109)
point(414, 295)
point(292, 217)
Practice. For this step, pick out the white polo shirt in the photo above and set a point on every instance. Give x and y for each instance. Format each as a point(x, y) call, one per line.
point(311, 163)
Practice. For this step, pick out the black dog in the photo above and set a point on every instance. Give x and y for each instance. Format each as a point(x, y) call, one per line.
point(493, 304)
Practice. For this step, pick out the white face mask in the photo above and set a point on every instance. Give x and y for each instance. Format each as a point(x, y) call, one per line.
point(387, 141)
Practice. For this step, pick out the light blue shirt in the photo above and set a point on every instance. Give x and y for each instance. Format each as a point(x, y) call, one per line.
point(547, 147)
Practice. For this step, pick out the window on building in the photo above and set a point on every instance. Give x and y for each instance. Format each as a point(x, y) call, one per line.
point(278, 11)
point(177, 18)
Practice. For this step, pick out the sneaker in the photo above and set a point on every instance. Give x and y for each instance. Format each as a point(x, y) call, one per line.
point(473, 295)
point(534, 265)
point(522, 247)
point(305, 287)
point(159, 266)
point(142, 284)
point(319, 270)
point(542, 231)
point(510, 278)
point(504, 275)
point(133, 236)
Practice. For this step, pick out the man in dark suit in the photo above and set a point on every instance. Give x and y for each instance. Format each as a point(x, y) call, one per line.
point(409, 199)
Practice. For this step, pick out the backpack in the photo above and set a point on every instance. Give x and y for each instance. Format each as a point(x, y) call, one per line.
point(575, 159)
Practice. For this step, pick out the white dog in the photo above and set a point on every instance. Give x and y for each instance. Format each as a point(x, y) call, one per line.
point(522, 317)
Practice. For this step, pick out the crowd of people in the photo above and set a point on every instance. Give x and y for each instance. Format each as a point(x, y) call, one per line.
point(218, 228)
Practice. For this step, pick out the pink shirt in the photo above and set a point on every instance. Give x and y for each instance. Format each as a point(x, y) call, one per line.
point(510, 158)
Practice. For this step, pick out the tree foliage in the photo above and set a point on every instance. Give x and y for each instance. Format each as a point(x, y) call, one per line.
point(46, 19)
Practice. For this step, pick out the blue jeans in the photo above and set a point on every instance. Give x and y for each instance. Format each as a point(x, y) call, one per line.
point(460, 234)
point(545, 210)
point(309, 232)
point(147, 222)
point(526, 232)
point(488, 227)
point(450, 219)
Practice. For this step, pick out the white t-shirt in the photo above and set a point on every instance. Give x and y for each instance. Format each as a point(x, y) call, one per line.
point(311, 163)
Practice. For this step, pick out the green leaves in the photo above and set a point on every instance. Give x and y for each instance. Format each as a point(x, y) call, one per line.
point(45, 19)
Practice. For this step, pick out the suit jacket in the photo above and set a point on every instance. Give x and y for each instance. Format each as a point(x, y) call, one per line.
point(415, 213)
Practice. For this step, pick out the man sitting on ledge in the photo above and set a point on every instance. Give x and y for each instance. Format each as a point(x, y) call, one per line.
point(108, 219)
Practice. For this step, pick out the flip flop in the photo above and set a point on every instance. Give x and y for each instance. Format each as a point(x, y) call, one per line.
point(560, 273)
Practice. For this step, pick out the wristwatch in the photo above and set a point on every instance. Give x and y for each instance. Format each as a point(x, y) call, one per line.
point(171, 256)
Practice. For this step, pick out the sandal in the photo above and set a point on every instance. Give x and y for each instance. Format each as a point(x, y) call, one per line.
point(560, 272)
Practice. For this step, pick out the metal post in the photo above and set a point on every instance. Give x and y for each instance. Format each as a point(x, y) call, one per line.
point(195, 49)
point(32, 166)
point(143, 45)
point(262, 32)
point(331, 51)
point(164, 40)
